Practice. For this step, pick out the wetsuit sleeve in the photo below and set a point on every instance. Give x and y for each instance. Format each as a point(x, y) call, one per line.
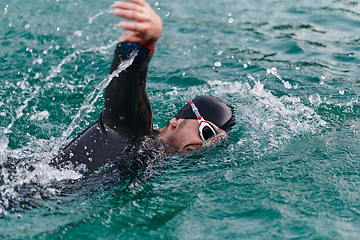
point(127, 108)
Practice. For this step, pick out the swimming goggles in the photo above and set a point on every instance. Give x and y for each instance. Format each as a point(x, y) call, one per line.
point(205, 129)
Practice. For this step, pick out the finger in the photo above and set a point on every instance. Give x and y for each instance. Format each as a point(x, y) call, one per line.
point(130, 37)
point(135, 2)
point(133, 26)
point(128, 6)
point(139, 2)
point(129, 14)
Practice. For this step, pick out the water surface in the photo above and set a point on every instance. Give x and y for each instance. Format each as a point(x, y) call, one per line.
point(289, 169)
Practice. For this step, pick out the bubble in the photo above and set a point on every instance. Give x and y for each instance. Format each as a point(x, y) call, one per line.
point(78, 33)
point(217, 64)
point(231, 20)
point(38, 61)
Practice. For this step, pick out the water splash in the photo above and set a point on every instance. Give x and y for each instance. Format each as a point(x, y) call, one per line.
point(91, 19)
point(25, 177)
point(4, 141)
point(90, 100)
point(27, 167)
point(274, 72)
point(57, 69)
point(269, 121)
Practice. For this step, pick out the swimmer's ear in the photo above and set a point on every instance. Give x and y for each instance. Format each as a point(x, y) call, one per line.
point(174, 122)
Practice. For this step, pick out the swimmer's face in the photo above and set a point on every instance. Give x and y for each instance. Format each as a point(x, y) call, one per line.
point(183, 134)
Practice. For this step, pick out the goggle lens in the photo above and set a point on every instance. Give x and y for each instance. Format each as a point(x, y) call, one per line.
point(207, 133)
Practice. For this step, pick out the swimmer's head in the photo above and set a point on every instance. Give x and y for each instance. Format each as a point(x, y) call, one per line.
point(212, 109)
point(202, 119)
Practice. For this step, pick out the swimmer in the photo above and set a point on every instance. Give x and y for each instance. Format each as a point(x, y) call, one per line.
point(127, 115)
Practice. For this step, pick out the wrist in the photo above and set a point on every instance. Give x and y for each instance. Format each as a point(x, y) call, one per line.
point(149, 44)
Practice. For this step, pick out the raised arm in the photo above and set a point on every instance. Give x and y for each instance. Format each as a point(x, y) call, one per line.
point(127, 114)
point(127, 108)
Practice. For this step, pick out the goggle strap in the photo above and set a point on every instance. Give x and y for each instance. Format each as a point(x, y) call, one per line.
point(195, 109)
point(200, 119)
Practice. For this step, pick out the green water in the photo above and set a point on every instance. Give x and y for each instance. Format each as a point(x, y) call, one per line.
point(291, 166)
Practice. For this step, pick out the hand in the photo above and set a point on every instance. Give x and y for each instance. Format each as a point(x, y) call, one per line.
point(147, 24)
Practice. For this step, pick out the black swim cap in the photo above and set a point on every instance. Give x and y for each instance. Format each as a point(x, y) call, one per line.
point(212, 109)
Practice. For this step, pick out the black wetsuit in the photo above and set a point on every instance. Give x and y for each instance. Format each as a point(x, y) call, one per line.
point(126, 118)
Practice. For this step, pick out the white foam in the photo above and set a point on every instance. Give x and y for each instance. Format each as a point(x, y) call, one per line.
point(40, 174)
point(269, 120)
point(4, 141)
point(40, 116)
